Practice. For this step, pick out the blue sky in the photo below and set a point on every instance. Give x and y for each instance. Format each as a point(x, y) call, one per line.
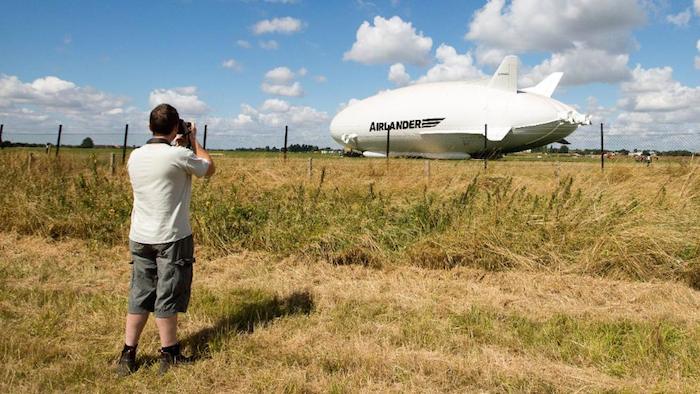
point(247, 68)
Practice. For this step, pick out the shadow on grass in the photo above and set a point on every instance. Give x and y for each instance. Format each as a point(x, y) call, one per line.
point(245, 317)
point(243, 312)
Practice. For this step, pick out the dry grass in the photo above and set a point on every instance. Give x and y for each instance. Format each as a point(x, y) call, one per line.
point(530, 277)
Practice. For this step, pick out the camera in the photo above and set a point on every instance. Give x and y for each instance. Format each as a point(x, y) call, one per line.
point(183, 130)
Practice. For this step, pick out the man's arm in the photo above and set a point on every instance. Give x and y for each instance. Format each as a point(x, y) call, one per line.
point(200, 152)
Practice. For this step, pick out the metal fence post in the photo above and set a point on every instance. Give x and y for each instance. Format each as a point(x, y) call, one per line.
point(2, 126)
point(602, 149)
point(205, 138)
point(126, 134)
point(387, 145)
point(58, 142)
point(486, 141)
point(284, 149)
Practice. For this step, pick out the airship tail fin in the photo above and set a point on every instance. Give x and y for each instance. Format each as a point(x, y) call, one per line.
point(547, 86)
point(506, 77)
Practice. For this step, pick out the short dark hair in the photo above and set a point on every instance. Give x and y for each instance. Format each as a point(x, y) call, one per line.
point(163, 120)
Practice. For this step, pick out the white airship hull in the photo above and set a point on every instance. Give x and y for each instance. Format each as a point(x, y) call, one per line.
point(449, 120)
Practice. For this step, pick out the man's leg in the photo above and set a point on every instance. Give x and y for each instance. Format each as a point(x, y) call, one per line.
point(135, 322)
point(167, 329)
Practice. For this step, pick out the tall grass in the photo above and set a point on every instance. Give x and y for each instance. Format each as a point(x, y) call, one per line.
point(631, 222)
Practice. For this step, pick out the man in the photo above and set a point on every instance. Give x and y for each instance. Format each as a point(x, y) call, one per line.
point(160, 238)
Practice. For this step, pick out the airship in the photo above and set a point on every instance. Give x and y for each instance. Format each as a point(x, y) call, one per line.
point(458, 119)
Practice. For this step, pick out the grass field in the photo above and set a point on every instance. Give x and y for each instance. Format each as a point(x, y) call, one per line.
point(531, 276)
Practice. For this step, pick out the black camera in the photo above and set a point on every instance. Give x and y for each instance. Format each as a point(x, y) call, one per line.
point(184, 129)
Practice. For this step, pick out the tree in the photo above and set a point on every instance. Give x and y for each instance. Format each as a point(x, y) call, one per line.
point(564, 149)
point(87, 143)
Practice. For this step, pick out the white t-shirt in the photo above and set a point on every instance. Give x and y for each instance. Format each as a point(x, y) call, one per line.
point(161, 177)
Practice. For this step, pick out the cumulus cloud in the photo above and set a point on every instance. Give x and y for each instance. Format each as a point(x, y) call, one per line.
point(184, 99)
point(389, 41)
point(655, 111)
point(279, 82)
point(581, 66)
point(42, 104)
point(452, 66)
point(398, 74)
point(320, 79)
point(555, 25)
point(681, 19)
point(293, 90)
point(697, 58)
point(697, 6)
point(231, 64)
point(285, 25)
point(264, 125)
point(269, 45)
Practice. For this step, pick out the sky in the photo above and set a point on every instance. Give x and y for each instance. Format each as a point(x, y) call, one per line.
point(247, 68)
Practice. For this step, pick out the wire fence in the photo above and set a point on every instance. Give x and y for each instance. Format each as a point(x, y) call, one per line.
point(609, 146)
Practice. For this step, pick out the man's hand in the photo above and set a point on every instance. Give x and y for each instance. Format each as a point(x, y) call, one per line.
point(193, 135)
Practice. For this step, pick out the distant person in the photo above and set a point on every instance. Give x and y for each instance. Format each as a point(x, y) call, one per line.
point(160, 239)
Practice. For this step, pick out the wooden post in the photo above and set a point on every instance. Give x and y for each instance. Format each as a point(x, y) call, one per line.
point(486, 139)
point(58, 143)
point(310, 169)
point(426, 168)
point(126, 134)
point(30, 159)
point(602, 149)
point(205, 138)
point(284, 149)
point(2, 126)
point(112, 163)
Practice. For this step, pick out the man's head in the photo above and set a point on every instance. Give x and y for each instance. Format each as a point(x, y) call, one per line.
point(164, 120)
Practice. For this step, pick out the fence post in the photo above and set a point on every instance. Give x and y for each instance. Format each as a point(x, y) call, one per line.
point(284, 149)
point(112, 167)
point(387, 146)
point(602, 149)
point(310, 169)
point(30, 159)
point(126, 134)
point(205, 138)
point(486, 140)
point(426, 168)
point(2, 126)
point(58, 143)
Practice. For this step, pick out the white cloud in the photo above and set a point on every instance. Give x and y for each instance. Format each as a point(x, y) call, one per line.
point(278, 81)
point(581, 66)
point(302, 72)
point(232, 64)
point(265, 125)
point(389, 41)
point(697, 6)
point(275, 105)
point(42, 104)
point(269, 45)
point(293, 90)
point(697, 58)
point(320, 79)
point(681, 19)
point(243, 44)
point(398, 75)
point(184, 99)
point(285, 25)
point(452, 67)
point(553, 26)
point(280, 75)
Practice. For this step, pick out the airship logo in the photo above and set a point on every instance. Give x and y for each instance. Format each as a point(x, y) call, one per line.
point(405, 124)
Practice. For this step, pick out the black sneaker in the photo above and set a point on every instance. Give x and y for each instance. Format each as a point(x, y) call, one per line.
point(169, 360)
point(127, 361)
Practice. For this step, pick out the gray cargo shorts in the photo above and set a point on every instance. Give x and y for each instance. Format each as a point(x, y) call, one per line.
point(161, 277)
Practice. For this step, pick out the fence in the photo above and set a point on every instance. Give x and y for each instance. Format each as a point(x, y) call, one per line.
point(607, 146)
